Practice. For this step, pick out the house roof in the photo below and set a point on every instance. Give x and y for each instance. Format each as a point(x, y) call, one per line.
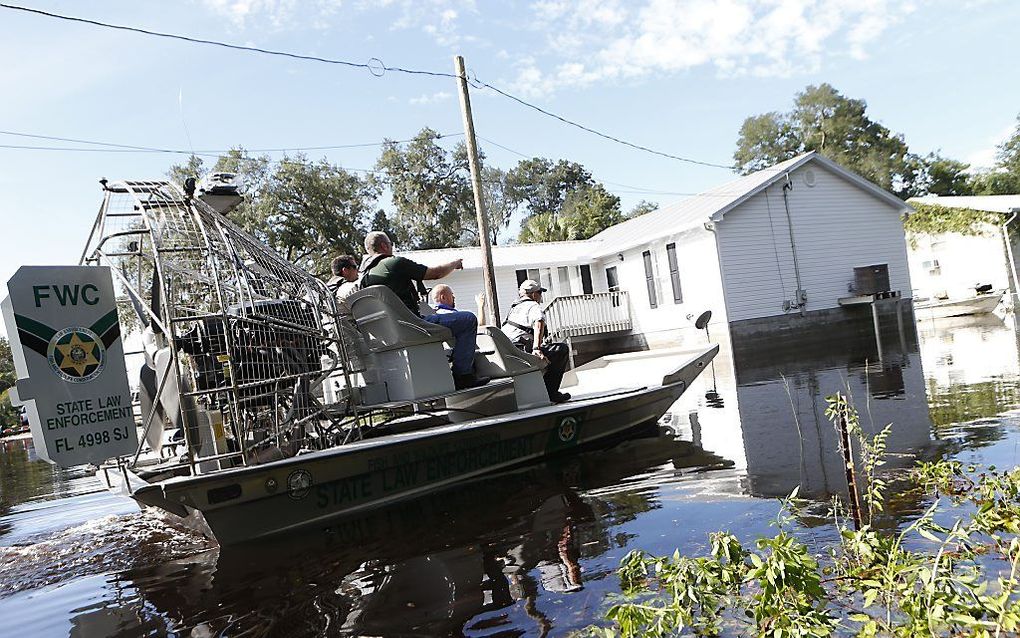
point(515, 255)
point(712, 205)
point(990, 203)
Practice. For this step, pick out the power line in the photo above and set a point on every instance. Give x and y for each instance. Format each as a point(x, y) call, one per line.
point(599, 133)
point(129, 148)
point(375, 66)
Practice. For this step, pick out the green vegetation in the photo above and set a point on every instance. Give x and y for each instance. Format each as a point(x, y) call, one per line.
point(950, 572)
point(839, 127)
point(932, 219)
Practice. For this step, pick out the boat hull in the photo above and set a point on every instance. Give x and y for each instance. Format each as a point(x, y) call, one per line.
point(256, 501)
point(980, 304)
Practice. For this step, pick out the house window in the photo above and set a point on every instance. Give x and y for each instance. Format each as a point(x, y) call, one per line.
point(586, 287)
point(613, 284)
point(653, 301)
point(563, 281)
point(674, 273)
point(530, 273)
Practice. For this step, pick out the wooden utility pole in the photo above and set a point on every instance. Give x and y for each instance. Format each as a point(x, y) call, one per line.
point(491, 300)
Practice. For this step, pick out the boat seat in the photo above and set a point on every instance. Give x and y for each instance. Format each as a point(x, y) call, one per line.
point(387, 324)
point(499, 358)
point(403, 354)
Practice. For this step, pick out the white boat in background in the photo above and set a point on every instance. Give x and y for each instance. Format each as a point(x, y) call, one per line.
point(976, 305)
point(266, 405)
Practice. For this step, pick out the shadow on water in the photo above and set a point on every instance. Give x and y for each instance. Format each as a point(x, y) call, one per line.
point(529, 552)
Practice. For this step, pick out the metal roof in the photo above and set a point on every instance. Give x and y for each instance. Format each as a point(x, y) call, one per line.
point(710, 205)
point(713, 204)
point(511, 255)
point(990, 203)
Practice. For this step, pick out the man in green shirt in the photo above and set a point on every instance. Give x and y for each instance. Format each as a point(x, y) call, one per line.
point(401, 275)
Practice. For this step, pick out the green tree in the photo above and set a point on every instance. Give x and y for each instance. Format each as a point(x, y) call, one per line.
point(381, 221)
point(1004, 177)
point(543, 227)
point(7, 374)
point(839, 128)
point(937, 175)
point(585, 213)
point(313, 211)
point(642, 208)
point(306, 211)
point(430, 190)
point(542, 186)
point(589, 211)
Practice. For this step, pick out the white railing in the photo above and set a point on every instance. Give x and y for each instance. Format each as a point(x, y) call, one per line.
point(578, 315)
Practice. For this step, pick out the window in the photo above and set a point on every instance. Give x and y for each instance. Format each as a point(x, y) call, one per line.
point(530, 273)
point(653, 301)
point(563, 281)
point(612, 281)
point(613, 284)
point(674, 273)
point(586, 287)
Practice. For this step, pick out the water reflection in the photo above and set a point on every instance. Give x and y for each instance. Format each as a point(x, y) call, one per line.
point(476, 558)
point(530, 552)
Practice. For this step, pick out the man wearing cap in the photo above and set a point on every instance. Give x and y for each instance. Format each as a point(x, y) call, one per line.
point(345, 276)
point(525, 327)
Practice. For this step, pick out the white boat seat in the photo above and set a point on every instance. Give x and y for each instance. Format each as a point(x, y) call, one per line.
point(497, 357)
point(387, 324)
point(404, 355)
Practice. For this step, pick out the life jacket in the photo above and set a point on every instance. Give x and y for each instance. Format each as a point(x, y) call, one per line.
point(529, 331)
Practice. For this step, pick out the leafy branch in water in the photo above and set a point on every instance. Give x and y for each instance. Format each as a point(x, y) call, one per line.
point(930, 578)
point(933, 219)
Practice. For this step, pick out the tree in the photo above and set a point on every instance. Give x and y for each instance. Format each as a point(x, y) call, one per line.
point(543, 227)
point(7, 373)
point(642, 208)
point(500, 202)
point(543, 186)
point(306, 211)
point(839, 128)
point(937, 175)
point(1004, 177)
point(381, 222)
point(430, 190)
point(313, 211)
point(586, 212)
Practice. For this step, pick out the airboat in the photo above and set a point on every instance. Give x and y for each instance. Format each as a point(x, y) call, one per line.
point(265, 405)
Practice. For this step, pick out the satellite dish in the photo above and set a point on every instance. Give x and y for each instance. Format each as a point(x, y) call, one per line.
point(703, 320)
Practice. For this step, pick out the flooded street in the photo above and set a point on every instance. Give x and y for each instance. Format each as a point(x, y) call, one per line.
point(526, 553)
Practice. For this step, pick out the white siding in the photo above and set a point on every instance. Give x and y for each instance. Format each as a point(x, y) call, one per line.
point(963, 261)
point(837, 227)
point(700, 282)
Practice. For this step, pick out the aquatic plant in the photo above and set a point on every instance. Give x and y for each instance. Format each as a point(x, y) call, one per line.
point(953, 571)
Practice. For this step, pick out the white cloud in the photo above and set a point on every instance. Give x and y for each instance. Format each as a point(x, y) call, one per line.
point(425, 98)
point(591, 41)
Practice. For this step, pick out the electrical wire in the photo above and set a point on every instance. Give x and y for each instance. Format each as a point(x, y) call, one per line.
point(376, 67)
point(202, 152)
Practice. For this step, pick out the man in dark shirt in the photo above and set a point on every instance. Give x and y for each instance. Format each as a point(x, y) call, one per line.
point(399, 274)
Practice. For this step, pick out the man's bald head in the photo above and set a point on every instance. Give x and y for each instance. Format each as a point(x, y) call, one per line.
point(443, 294)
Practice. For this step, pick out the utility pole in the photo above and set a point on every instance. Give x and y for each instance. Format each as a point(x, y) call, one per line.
point(491, 300)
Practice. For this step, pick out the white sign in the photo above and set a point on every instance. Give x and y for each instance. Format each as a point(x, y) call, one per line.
point(68, 353)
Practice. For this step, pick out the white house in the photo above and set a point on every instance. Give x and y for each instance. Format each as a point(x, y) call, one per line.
point(770, 250)
point(950, 265)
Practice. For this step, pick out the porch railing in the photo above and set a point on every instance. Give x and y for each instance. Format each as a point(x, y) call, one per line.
point(597, 313)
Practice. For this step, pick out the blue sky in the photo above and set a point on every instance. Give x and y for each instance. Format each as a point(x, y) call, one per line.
point(678, 76)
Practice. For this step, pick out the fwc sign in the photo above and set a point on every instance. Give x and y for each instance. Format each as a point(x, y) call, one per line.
point(68, 353)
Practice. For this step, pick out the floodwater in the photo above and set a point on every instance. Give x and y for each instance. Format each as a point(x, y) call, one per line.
point(526, 553)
